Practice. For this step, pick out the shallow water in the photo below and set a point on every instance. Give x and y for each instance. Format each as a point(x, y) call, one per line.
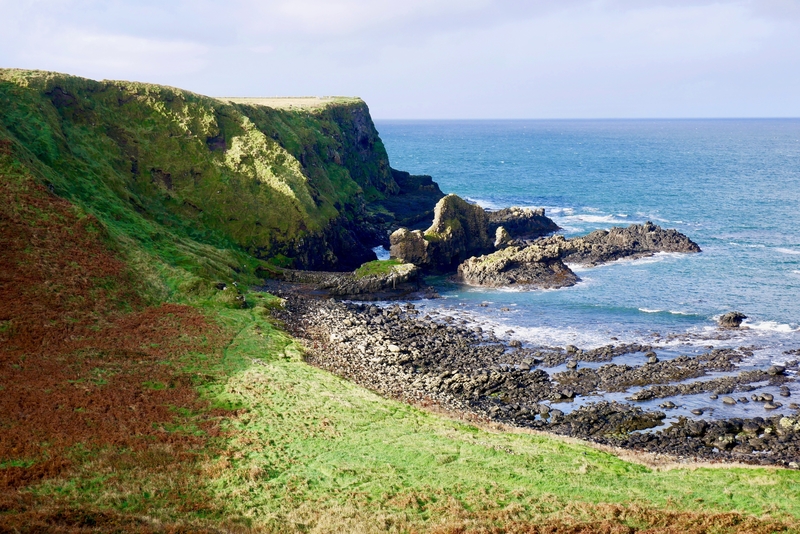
point(733, 186)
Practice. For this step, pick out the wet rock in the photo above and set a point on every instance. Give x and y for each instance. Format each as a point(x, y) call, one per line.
point(731, 319)
point(697, 411)
point(776, 370)
point(728, 400)
point(635, 241)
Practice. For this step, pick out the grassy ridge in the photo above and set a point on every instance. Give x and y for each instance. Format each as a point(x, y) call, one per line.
point(122, 412)
point(260, 179)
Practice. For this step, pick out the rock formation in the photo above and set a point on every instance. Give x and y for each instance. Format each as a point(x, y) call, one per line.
point(541, 264)
point(731, 319)
point(461, 230)
point(533, 266)
point(635, 241)
point(395, 281)
point(521, 222)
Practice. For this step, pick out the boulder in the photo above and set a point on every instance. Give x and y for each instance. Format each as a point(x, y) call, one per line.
point(501, 238)
point(731, 319)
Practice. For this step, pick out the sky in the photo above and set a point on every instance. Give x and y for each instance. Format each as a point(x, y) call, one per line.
point(435, 59)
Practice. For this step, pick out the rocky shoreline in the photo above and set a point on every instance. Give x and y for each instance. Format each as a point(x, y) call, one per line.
point(401, 353)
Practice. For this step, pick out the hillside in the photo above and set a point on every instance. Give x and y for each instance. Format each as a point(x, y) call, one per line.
point(145, 387)
point(286, 186)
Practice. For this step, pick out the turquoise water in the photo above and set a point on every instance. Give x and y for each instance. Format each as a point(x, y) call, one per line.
point(733, 186)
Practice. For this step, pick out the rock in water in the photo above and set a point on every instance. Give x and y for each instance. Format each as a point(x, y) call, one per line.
point(461, 230)
point(521, 222)
point(542, 264)
point(532, 266)
point(731, 319)
point(635, 241)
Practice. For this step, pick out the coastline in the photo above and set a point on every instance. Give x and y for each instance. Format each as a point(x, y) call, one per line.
point(449, 364)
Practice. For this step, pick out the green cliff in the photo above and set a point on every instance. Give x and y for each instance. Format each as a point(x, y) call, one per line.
point(286, 185)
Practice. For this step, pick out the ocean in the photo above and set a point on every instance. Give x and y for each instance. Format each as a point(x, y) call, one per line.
point(732, 186)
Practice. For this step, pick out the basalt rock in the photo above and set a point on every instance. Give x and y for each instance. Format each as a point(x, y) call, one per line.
point(521, 222)
point(461, 230)
point(731, 319)
point(635, 241)
point(398, 281)
point(532, 267)
point(541, 264)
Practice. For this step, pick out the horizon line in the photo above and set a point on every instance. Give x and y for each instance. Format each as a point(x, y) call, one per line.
point(592, 119)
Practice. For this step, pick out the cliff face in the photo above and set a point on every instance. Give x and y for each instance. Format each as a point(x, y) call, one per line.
point(289, 186)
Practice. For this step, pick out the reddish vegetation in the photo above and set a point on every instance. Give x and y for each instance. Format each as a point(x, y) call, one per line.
point(76, 368)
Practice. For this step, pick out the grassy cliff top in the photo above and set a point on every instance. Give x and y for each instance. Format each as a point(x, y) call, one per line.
point(292, 102)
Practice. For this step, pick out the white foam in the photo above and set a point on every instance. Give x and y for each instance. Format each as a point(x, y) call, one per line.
point(553, 336)
point(646, 310)
point(747, 245)
point(595, 219)
point(555, 210)
point(789, 251)
point(771, 326)
point(381, 252)
point(658, 257)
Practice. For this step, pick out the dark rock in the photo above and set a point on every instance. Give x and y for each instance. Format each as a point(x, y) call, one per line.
point(521, 222)
point(731, 320)
point(459, 230)
point(776, 370)
point(635, 241)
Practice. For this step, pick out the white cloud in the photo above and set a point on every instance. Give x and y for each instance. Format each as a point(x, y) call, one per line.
point(446, 58)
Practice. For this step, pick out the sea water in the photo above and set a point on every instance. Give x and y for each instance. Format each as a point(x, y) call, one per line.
point(732, 186)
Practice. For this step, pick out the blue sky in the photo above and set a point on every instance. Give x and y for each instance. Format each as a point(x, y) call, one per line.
point(435, 58)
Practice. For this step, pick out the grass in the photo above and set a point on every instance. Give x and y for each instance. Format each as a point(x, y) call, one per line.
point(136, 396)
point(377, 268)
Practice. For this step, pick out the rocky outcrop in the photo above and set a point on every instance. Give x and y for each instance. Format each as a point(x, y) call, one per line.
point(521, 222)
point(461, 230)
point(531, 267)
point(635, 241)
point(412, 207)
point(731, 319)
point(542, 264)
point(393, 282)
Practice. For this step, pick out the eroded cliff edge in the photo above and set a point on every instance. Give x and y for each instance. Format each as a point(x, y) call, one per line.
point(304, 188)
